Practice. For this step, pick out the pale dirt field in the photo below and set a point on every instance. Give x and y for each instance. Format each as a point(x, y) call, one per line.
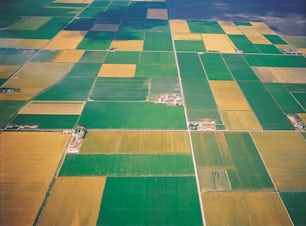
point(74, 201)
point(53, 108)
point(117, 70)
point(213, 179)
point(30, 23)
point(229, 28)
point(179, 26)
point(28, 163)
point(228, 96)
point(69, 55)
point(7, 70)
point(244, 208)
point(23, 43)
point(240, 120)
point(285, 157)
point(263, 28)
point(182, 36)
point(218, 42)
point(66, 40)
point(35, 77)
point(105, 27)
point(281, 75)
point(135, 142)
point(254, 35)
point(127, 45)
point(161, 14)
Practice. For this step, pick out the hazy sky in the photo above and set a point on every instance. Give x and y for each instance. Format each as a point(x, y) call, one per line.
point(284, 16)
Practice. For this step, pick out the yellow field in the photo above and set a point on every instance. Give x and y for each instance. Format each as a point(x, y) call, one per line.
point(244, 208)
point(229, 28)
point(285, 156)
point(161, 14)
point(30, 23)
point(218, 42)
point(303, 117)
point(281, 75)
point(127, 45)
point(23, 43)
point(7, 70)
point(66, 40)
point(228, 96)
point(35, 77)
point(28, 164)
point(302, 50)
point(182, 36)
point(254, 35)
point(135, 142)
point(117, 70)
point(69, 55)
point(263, 28)
point(53, 108)
point(179, 26)
point(74, 201)
point(240, 120)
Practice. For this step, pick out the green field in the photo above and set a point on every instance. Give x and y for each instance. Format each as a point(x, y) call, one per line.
point(211, 27)
point(45, 56)
point(191, 46)
point(131, 89)
point(8, 111)
point(275, 60)
point(122, 57)
point(295, 203)
point(229, 158)
point(243, 43)
point(190, 65)
point(275, 39)
point(84, 70)
point(268, 49)
point(150, 70)
point(133, 115)
point(157, 58)
point(93, 57)
point(145, 201)
point(161, 85)
point(96, 40)
point(127, 165)
point(301, 98)
point(158, 41)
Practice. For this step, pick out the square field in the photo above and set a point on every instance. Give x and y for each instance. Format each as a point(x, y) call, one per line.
point(117, 70)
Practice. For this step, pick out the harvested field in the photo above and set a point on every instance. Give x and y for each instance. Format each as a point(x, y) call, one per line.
point(244, 208)
point(105, 27)
point(135, 142)
point(35, 77)
point(254, 35)
point(127, 165)
point(23, 43)
point(159, 14)
point(150, 201)
point(53, 108)
point(127, 45)
point(240, 120)
point(69, 55)
point(30, 23)
point(281, 75)
point(229, 27)
point(66, 40)
point(285, 163)
point(218, 42)
point(263, 28)
point(302, 50)
point(74, 201)
point(214, 180)
point(186, 36)
point(179, 26)
point(117, 70)
point(23, 188)
point(228, 96)
point(7, 70)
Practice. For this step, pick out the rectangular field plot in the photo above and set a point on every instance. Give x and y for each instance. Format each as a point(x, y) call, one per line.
point(160, 85)
point(190, 65)
point(22, 43)
point(8, 111)
point(127, 165)
point(84, 70)
point(218, 42)
point(215, 67)
point(93, 56)
point(132, 115)
point(275, 60)
point(66, 40)
point(70, 88)
point(194, 46)
point(209, 26)
point(150, 201)
point(284, 155)
point(131, 89)
point(179, 26)
point(267, 111)
point(240, 120)
point(135, 142)
point(295, 203)
point(229, 27)
point(35, 77)
point(74, 200)
point(244, 208)
point(29, 23)
point(52, 108)
point(15, 57)
point(117, 70)
point(281, 75)
point(122, 57)
point(157, 58)
point(254, 35)
point(242, 43)
point(157, 41)
point(231, 156)
point(23, 188)
point(228, 96)
point(146, 70)
point(96, 40)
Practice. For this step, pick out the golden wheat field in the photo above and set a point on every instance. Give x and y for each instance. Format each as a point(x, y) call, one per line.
point(240, 120)
point(66, 40)
point(136, 142)
point(74, 201)
point(284, 156)
point(229, 28)
point(218, 42)
point(244, 208)
point(117, 70)
point(179, 26)
point(127, 45)
point(28, 163)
